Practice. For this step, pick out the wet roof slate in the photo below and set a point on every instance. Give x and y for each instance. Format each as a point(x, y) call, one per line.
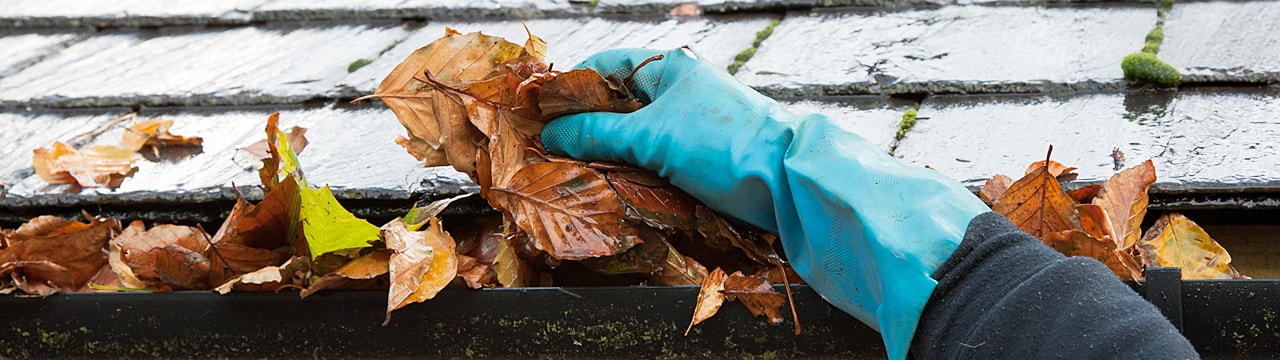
point(995, 82)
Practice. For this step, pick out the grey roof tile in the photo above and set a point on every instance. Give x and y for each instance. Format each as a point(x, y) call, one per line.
point(572, 40)
point(232, 67)
point(26, 49)
point(430, 9)
point(873, 118)
point(955, 49)
point(1203, 139)
point(351, 150)
point(51, 13)
point(24, 132)
point(1224, 41)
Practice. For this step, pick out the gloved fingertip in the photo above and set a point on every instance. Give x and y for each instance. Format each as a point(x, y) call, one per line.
point(588, 136)
point(561, 135)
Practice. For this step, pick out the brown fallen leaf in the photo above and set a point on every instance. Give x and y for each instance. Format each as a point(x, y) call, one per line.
point(1037, 204)
point(588, 212)
point(97, 166)
point(651, 199)
point(510, 269)
point(297, 136)
point(1124, 196)
point(49, 245)
point(1079, 243)
point(1057, 169)
point(155, 133)
point(679, 270)
point(582, 90)
point(1175, 240)
point(710, 298)
point(757, 294)
point(422, 264)
point(475, 274)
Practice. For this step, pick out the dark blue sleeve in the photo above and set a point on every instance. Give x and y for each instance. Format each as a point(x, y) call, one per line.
point(1005, 295)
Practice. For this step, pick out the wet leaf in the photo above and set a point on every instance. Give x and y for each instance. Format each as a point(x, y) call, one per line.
point(422, 264)
point(716, 229)
point(757, 294)
point(648, 257)
point(475, 274)
point(1124, 196)
point(679, 270)
point(47, 244)
point(570, 211)
point(994, 188)
point(661, 206)
point(155, 133)
point(1175, 240)
point(97, 166)
point(582, 90)
point(1037, 204)
point(165, 256)
point(710, 298)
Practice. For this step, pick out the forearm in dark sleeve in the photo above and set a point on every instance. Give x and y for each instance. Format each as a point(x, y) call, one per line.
point(1005, 295)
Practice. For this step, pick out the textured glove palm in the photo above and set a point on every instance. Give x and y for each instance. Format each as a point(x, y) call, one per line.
point(862, 229)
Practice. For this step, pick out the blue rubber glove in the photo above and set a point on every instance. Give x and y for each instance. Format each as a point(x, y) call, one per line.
point(864, 230)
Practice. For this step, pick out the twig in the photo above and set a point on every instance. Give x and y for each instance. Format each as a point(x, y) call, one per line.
point(786, 281)
point(79, 141)
point(627, 80)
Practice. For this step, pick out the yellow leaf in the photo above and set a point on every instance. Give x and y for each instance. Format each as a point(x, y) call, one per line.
point(1175, 240)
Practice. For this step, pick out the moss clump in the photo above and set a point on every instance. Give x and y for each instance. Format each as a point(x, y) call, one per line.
point(1154, 38)
point(908, 120)
point(1144, 68)
point(356, 65)
point(745, 55)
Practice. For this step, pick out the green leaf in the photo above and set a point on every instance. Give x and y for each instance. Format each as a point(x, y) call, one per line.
point(328, 227)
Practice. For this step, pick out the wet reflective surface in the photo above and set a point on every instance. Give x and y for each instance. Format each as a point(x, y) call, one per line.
point(1222, 41)
point(952, 49)
point(1212, 139)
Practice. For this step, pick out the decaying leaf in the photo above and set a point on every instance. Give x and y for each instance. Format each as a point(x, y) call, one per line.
point(97, 166)
point(164, 257)
point(271, 278)
point(155, 133)
point(422, 264)
point(651, 199)
point(586, 211)
point(510, 269)
point(679, 270)
point(1175, 240)
point(50, 254)
point(582, 90)
point(710, 298)
point(757, 294)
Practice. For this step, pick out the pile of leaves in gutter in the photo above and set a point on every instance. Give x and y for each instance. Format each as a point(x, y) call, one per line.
point(474, 102)
point(1103, 221)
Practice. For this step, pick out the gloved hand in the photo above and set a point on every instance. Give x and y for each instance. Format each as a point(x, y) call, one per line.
point(864, 230)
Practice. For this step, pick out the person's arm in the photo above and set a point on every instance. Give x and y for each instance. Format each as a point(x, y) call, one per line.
point(862, 229)
point(1004, 294)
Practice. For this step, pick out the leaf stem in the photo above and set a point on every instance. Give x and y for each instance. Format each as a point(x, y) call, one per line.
point(628, 81)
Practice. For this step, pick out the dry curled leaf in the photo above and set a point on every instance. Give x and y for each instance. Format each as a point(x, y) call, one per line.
point(757, 294)
point(155, 133)
point(48, 248)
point(422, 263)
point(710, 298)
point(97, 166)
point(1124, 196)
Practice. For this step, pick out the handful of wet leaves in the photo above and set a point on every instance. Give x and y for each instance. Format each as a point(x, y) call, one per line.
point(478, 103)
point(473, 102)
